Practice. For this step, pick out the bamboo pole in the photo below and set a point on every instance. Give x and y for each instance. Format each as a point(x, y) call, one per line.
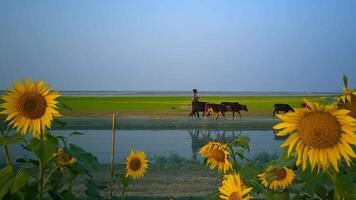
point(112, 152)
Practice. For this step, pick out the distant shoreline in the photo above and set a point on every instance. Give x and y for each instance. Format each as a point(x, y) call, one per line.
point(109, 93)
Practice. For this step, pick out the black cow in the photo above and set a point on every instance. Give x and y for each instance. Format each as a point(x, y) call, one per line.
point(216, 108)
point(279, 107)
point(234, 107)
point(197, 106)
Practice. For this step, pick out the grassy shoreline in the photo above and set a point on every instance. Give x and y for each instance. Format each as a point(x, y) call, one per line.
point(167, 112)
point(168, 106)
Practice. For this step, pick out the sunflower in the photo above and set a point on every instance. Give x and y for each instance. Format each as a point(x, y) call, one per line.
point(136, 164)
point(63, 159)
point(282, 178)
point(30, 106)
point(348, 101)
point(216, 155)
point(320, 135)
point(233, 188)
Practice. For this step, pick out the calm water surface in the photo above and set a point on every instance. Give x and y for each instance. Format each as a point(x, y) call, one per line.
point(157, 143)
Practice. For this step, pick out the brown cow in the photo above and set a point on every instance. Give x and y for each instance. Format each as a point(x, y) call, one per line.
point(234, 107)
point(281, 107)
point(216, 108)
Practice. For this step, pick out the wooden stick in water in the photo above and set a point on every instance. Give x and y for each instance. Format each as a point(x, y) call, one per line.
point(112, 151)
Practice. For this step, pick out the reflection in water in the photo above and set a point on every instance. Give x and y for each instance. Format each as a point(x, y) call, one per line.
point(161, 143)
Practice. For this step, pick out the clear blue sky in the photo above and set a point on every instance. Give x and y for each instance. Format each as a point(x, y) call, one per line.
point(179, 45)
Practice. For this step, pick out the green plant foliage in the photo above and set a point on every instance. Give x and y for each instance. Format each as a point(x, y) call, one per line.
point(344, 185)
point(243, 142)
point(11, 183)
point(85, 160)
point(44, 149)
point(8, 140)
point(93, 189)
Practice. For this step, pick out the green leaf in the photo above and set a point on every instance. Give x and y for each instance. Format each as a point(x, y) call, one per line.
point(344, 185)
point(20, 181)
point(281, 196)
point(240, 153)
point(249, 170)
point(297, 197)
point(57, 180)
point(7, 140)
point(44, 149)
point(311, 181)
point(5, 188)
point(69, 196)
point(243, 141)
point(321, 192)
point(85, 159)
point(124, 180)
point(93, 189)
point(5, 171)
point(257, 187)
point(30, 191)
point(5, 180)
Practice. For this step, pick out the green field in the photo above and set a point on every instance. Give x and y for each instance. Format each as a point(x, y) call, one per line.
point(158, 112)
point(155, 105)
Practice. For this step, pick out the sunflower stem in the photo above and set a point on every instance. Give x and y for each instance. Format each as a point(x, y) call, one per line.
point(333, 177)
point(233, 155)
point(337, 195)
point(123, 192)
point(40, 178)
point(40, 173)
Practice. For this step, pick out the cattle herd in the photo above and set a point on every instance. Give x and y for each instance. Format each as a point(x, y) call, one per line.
point(235, 107)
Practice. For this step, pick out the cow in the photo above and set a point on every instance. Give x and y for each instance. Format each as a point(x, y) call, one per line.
point(234, 107)
point(197, 106)
point(278, 107)
point(216, 108)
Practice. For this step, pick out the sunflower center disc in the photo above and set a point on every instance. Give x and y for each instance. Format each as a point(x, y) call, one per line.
point(218, 155)
point(135, 164)
point(319, 130)
point(234, 196)
point(280, 173)
point(32, 106)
